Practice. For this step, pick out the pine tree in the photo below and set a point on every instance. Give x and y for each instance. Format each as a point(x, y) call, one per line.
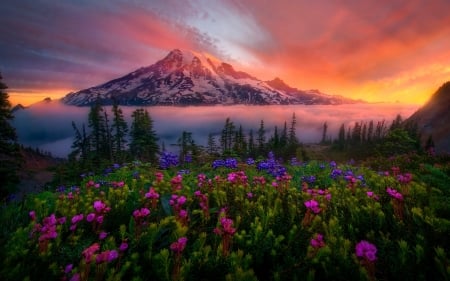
point(10, 158)
point(212, 148)
point(370, 131)
point(144, 141)
point(284, 136)
point(292, 140)
point(226, 139)
point(341, 138)
point(80, 146)
point(324, 132)
point(261, 140)
point(97, 136)
point(251, 144)
point(120, 131)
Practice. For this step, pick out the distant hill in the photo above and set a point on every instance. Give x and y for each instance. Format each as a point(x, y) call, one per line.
point(434, 118)
point(186, 78)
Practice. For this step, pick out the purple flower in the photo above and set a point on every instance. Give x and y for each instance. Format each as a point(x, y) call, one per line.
point(102, 235)
point(123, 247)
point(366, 250)
point(77, 218)
point(68, 268)
point(249, 195)
point(32, 215)
point(112, 255)
point(99, 206)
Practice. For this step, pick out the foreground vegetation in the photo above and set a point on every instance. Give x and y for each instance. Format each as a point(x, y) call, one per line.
point(227, 220)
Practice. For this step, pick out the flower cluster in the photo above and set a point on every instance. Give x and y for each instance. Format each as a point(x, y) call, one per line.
point(176, 182)
point(177, 203)
point(204, 203)
point(230, 163)
point(318, 192)
point(272, 166)
point(153, 196)
point(394, 194)
point(97, 217)
point(404, 178)
point(317, 242)
point(75, 220)
point(309, 179)
point(47, 230)
point(167, 160)
point(313, 206)
point(237, 178)
point(178, 246)
point(366, 250)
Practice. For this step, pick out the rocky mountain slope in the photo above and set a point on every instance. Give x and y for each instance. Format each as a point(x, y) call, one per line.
point(185, 78)
point(434, 118)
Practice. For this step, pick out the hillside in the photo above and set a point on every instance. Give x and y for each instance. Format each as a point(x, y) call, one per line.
point(434, 118)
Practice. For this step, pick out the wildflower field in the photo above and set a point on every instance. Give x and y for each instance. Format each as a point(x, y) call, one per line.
point(236, 220)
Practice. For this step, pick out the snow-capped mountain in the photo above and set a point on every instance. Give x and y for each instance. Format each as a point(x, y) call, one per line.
point(185, 78)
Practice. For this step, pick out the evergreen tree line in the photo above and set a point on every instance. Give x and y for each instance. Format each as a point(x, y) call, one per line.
point(368, 138)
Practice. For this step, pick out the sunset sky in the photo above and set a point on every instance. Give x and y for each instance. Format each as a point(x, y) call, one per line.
point(377, 50)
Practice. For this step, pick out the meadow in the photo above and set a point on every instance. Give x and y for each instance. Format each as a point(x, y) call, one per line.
point(258, 219)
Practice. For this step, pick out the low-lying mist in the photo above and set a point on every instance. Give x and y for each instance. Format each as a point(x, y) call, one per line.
point(48, 125)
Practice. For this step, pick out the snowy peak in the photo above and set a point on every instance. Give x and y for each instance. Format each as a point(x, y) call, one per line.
point(190, 78)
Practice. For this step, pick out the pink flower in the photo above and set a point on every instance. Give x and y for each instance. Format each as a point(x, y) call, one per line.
point(90, 217)
point(100, 219)
point(32, 215)
point(178, 246)
point(317, 242)
point(152, 194)
point(77, 218)
point(366, 250)
point(249, 195)
point(394, 194)
point(90, 251)
point(99, 206)
point(312, 205)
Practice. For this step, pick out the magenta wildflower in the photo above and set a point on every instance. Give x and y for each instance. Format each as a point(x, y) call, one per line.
point(90, 217)
point(312, 205)
point(32, 215)
point(178, 246)
point(152, 194)
point(68, 268)
point(366, 251)
point(90, 251)
point(249, 195)
point(317, 242)
point(76, 277)
point(394, 194)
point(77, 218)
point(123, 246)
point(102, 235)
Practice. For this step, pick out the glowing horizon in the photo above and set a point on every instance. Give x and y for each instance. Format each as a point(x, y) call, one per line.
point(389, 52)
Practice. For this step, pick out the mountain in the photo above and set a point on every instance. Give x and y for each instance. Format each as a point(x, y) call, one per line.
point(434, 118)
point(185, 78)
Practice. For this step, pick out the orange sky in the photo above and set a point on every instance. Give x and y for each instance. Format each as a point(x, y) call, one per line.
point(372, 50)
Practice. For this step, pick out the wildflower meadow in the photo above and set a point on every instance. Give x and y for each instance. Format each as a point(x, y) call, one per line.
point(258, 219)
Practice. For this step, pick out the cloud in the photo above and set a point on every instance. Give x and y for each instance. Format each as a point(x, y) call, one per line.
point(341, 47)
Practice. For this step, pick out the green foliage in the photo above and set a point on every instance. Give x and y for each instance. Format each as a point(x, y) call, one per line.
point(272, 229)
point(10, 157)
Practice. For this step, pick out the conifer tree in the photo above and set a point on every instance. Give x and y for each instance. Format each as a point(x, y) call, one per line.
point(226, 139)
point(212, 148)
point(251, 144)
point(97, 136)
point(284, 136)
point(292, 131)
point(10, 158)
point(261, 140)
point(341, 137)
point(120, 131)
point(144, 141)
point(324, 132)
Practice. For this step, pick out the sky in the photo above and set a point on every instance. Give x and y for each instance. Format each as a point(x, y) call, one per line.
point(375, 50)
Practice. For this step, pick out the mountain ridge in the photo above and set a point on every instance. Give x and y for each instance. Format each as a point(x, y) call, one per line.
point(433, 118)
point(186, 78)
